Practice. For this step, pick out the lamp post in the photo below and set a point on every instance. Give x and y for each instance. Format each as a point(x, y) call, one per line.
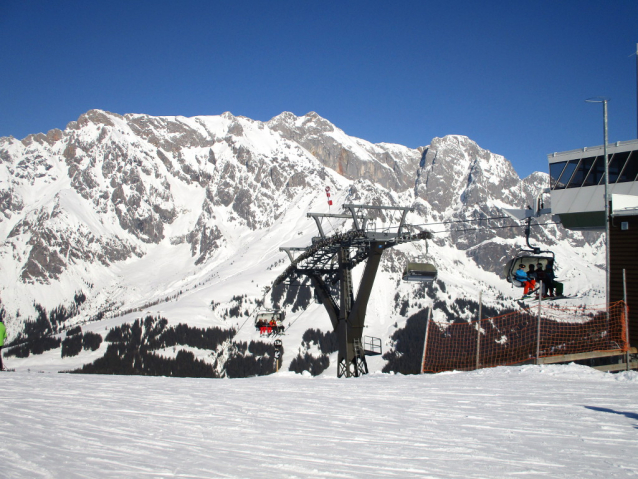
point(607, 255)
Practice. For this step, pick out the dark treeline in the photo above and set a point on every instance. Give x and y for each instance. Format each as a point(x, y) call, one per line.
point(260, 361)
point(406, 356)
point(37, 336)
point(132, 346)
point(132, 351)
point(75, 341)
point(36, 346)
point(308, 362)
point(153, 334)
point(327, 343)
point(120, 358)
point(76, 330)
point(298, 295)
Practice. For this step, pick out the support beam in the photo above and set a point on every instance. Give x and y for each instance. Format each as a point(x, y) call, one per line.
point(405, 212)
point(346, 350)
point(617, 367)
point(565, 358)
point(326, 299)
point(321, 233)
point(358, 314)
point(317, 216)
point(353, 213)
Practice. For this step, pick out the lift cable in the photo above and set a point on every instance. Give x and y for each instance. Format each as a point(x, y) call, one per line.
point(466, 221)
point(302, 313)
point(495, 227)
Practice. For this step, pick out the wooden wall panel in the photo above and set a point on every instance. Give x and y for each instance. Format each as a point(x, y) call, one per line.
point(624, 255)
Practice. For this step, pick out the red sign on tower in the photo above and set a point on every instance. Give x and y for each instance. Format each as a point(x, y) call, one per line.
point(328, 195)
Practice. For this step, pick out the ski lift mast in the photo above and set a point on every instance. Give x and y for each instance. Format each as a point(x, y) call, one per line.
point(330, 259)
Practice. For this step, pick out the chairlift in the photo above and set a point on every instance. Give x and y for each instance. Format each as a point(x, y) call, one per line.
point(270, 322)
point(533, 255)
point(422, 272)
point(526, 258)
point(425, 272)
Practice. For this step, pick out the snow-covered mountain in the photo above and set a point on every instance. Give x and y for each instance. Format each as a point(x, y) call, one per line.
point(118, 217)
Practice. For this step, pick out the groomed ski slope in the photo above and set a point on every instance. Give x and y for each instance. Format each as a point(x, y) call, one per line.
point(530, 421)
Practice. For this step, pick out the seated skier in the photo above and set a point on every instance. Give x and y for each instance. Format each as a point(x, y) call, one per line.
point(531, 274)
point(521, 276)
point(541, 278)
point(551, 281)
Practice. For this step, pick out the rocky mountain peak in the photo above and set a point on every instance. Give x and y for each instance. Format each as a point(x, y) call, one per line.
point(455, 171)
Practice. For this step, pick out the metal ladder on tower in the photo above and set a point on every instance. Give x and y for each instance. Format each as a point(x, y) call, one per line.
point(360, 363)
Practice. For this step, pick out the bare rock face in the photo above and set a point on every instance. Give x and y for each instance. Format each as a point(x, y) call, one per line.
point(391, 166)
point(51, 246)
point(455, 172)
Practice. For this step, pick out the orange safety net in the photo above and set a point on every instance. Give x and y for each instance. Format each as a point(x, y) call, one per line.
point(516, 337)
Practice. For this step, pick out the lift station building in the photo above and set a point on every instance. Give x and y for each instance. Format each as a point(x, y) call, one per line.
point(577, 186)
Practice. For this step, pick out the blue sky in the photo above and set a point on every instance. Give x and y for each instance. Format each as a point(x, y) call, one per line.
point(511, 75)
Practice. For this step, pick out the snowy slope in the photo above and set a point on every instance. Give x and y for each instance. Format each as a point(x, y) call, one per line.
point(532, 421)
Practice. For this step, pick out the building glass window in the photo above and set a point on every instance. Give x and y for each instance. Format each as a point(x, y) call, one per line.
point(596, 172)
point(630, 171)
point(555, 169)
point(567, 174)
point(581, 172)
point(616, 164)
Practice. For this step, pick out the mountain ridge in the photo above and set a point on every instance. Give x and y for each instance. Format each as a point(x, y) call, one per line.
point(114, 200)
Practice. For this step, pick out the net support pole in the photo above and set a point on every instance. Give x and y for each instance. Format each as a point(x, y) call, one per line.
point(624, 293)
point(538, 327)
point(478, 331)
point(425, 340)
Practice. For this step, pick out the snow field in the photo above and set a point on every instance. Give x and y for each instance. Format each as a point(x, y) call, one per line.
point(530, 421)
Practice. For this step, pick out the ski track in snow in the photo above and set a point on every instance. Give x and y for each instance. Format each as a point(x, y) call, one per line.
point(529, 421)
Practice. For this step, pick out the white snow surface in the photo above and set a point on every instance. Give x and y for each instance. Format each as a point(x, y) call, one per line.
point(565, 421)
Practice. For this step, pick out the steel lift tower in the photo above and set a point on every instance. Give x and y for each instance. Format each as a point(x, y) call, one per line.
point(329, 261)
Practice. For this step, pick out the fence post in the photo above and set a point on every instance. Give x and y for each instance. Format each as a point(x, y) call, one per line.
point(538, 327)
point(425, 341)
point(478, 331)
point(624, 294)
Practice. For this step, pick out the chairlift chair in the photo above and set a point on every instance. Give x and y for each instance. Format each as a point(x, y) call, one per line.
point(418, 271)
point(270, 321)
point(425, 272)
point(526, 258)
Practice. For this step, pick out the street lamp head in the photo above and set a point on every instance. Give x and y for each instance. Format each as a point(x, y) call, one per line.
point(598, 99)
